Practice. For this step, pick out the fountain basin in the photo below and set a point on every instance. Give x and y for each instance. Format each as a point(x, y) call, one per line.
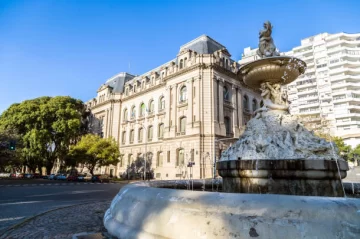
point(284, 176)
point(141, 210)
point(279, 69)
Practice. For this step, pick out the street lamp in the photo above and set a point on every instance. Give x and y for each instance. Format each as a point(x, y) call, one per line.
point(146, 133)
point(217, 140)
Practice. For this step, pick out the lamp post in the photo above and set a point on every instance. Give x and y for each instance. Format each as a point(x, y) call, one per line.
point(217, 140)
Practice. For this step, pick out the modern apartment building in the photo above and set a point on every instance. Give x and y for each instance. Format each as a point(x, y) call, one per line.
point(327, 96)
point(186, 110)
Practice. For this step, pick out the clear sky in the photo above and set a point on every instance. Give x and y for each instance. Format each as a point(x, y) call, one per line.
point(71, 47)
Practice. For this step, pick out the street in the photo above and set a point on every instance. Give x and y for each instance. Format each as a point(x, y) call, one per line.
point(21, 199)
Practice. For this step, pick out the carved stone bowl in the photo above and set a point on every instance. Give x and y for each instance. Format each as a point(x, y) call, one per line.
point(281, 69)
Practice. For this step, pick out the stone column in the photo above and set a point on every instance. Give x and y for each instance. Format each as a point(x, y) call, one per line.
point(105, 132)
point(239, 108)
point(221, 106)
point(189, 113)
point(168, 111)
point(234, 117)
point(174, 111)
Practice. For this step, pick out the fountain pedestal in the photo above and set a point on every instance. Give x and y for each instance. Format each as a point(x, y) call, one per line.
point(290, 177)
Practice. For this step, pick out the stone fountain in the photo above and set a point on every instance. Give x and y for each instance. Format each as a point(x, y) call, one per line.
point(275, 155)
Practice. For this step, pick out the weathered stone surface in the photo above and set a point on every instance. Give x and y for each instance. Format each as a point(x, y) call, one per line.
point(140, 211)
point(276, 135)
point(290, 177)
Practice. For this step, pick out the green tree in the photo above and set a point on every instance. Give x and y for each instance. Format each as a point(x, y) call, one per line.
point(10, 159)
point(48, 126)
point(93, 150)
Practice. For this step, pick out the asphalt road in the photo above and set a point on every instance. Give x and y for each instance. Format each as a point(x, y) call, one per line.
point(20, 199)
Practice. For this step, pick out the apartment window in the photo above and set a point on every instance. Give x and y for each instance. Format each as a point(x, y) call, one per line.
point(142, 110)
point(180, 157)
point(181, 63)
point(185, 62)
point(127, 91)
point(133, 112)
point(161, 131)
point(125, 115)
point(322, 65)
point(254, 104)
point(183, 124)
point(132, 136)
point(150, 133)
point(162, 103)
point(246, 103)
point(226, 94)
point(151, 106)
point(183, 92)
point(141, 135)
point(227, 122)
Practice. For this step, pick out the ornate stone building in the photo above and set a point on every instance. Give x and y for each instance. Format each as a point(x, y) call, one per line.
point(186, 110)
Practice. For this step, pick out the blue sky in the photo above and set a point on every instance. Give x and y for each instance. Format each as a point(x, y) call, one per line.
point(68, 47)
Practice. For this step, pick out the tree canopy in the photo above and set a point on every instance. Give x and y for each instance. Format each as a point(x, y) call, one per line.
point(47, 126)
point(93, 150)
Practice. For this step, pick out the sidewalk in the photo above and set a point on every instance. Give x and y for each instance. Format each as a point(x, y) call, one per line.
point(61, 223)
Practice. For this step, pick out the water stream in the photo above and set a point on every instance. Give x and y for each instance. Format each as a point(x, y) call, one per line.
point(337, 165)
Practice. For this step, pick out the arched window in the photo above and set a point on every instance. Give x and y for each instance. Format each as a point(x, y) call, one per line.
point(150, 133)
point(133, 112)
point(162, 75)
point(142, 109)
point(246, 103)
point(123, 137)
point(159, 159)
point(161, 131)
point(180, 157)
point(183, 125)
point(127, 91)
point(227, 122)
point(254, 104)
point(226, 63)
point(181, 63)
point(261, 103)
point(185, 62)
point(162, 103)
point(223, 61)
point(132, 136)
point(226, 94)
point(130, 159)
point(141, 135)
point(125, 115)
point(183, 95)
point(151, 106)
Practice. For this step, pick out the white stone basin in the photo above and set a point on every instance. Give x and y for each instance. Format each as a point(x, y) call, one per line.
point(140, 210)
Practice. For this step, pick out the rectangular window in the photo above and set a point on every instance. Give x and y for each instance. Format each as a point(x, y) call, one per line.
point(168, 156)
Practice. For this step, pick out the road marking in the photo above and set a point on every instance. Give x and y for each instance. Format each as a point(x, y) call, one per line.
point(10, 219)
point(26, 202)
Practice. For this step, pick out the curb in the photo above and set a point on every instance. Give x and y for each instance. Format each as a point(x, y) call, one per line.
point(12, 228)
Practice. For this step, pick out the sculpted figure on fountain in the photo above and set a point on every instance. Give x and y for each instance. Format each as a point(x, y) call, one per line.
point(267, 47)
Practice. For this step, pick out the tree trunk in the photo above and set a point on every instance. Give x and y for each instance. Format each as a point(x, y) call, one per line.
point(39, 167)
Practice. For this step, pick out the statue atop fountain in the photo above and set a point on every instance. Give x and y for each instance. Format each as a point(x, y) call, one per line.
point(267, 47)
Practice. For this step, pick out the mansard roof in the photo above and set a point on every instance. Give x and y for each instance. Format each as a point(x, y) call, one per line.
point(203, 45)
point(117, 82)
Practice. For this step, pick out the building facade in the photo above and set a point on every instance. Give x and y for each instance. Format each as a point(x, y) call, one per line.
point(186, 110)
point(327, 96)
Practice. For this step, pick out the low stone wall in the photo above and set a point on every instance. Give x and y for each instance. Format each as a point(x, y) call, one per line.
point(143, 210)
